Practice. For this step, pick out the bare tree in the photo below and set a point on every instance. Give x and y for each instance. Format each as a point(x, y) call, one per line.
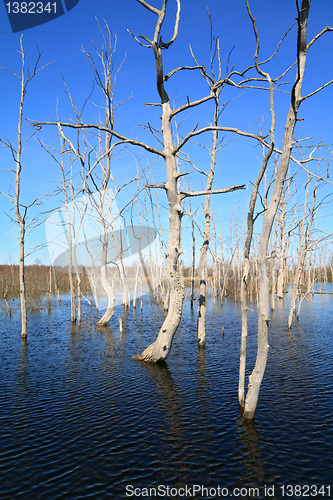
point(284, 239)
point(307, 243)
point(251, 217)
point(158, 350)
point(193, 254)
point(303, 46)
point(21, 211)
point(97, 184)
point(202, 269)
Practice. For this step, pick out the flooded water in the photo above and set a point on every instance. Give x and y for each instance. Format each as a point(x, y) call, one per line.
point(80, 419)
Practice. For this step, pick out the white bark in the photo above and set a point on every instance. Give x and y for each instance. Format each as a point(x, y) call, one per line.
point(302, 250)
point(202, 270)
point(108, 288)
point(256, 377)
point(21, 219)
point(281, 278)
point(250, 225)
point(159, 350)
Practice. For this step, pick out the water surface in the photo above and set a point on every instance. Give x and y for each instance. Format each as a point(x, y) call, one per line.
point(80, 419)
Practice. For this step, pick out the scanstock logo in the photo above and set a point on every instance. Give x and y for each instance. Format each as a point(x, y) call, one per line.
point(133, 252)
point(25, 15)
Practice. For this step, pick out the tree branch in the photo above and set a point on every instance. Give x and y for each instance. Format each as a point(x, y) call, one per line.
point(224, 129)
point(314, 39)
point(315, 91)
point(186, 194)
point(135, 38)
point(149, 7)
point(191, 104)
point(101, 128)
point(175, 31)
point(180, 69)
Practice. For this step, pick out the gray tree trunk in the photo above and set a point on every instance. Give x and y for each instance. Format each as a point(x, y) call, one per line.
point(256, 377)
point(282, 254)
point(107, 287)
point(202, 270)
point(21, 220)
point(159, 350)
point(302, 251)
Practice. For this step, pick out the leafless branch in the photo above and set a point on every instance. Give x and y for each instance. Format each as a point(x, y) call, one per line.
point(191, 104)
point(188, 159)
point(139, 42)
point(176, 26)
point(314, 39)
point(318, 90)
point(101, 128)
point(224, 129)
point(155, 186)
point(149, 7)
point(181, 68)
point(185, 194)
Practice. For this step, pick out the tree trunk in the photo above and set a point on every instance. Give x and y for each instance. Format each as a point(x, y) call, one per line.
point(193, 256)
point(245, 277)
point(273, 270)
point(302, 250)
point(256, 377)
point(70, 263)
point(202, 271)
point(159, 350)
point(22, 282)
point(108, 289)
point(21, 220)
point(282, 255)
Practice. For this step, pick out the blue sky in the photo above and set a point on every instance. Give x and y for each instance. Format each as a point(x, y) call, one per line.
point(238, 163)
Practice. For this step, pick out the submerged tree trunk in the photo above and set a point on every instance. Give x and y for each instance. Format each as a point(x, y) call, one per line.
point(245, 277)
point(281, 279)
point(202, 270)
point(78, 288)
point(24, 320)
point(256, 377)
point(193, 256)
point(302, 250)
point(21, 220)
point(159, 350)
point(250, 228)
point(108, 288)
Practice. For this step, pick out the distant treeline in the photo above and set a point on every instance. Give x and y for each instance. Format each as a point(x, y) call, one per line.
point(40, 281)
point(45, 280)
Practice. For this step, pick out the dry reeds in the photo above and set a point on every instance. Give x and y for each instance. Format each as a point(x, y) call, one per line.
point(40, 281)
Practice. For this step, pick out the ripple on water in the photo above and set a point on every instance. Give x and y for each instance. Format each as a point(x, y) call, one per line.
point(79, 418)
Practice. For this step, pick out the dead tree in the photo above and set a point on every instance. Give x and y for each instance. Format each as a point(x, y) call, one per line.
point(251, 217)
point(193, 254)
point(21, 210)
point(283, 245)
point(159, 350)
point(66, 161)
point(303, 46)
point(202, 269)
point(306, 244)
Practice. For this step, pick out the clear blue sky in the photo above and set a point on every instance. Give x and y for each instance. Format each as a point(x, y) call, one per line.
point(61, 40)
